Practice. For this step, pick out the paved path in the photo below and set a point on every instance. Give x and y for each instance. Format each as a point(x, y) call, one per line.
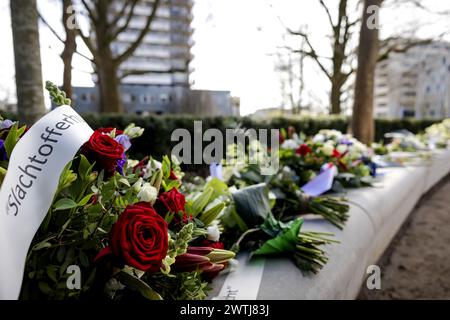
point(417, 263)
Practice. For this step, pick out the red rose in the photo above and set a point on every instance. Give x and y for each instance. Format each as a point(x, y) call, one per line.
point(174, 202)
point(104, 150)
point(139, 238)
point(303, 150)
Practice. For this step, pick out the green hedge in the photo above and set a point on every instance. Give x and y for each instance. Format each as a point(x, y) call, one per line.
point(158, 129)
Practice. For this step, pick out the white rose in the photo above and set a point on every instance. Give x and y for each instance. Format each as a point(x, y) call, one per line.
point(328, 148)
point(148, 193)
point(213, 233)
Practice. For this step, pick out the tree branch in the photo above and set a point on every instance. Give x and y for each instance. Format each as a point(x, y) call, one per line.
point(127, 22)
point(399, 47)
point(129, 51)
point(121, 13)
point(59, 37)
point(312, 54)
point(87, 41)
point(330, 19)
point(89, 10)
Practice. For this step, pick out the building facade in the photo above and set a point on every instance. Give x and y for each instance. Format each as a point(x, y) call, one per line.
point(155, 79)
point(415, 83)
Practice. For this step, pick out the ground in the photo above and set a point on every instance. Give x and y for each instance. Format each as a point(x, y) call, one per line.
point(417, 263)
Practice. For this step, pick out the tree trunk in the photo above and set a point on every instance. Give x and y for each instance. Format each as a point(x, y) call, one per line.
point(362, 120)
point(109, 86)
point(30, 96)
point(335, 98)
point(107, 67)
point(70, 46)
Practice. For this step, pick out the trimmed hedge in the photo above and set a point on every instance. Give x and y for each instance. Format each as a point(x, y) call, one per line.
point(159, 128)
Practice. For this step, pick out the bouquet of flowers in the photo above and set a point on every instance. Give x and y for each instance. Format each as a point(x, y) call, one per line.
point(247, 222)
point(124, 223)
point(438, 135)
point(307, 158)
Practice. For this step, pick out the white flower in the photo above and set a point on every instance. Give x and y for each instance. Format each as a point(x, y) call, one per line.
point(136, 187)
point(328, 148)
point(341, 148)
point(132, 163)
point(213, 233)
point(132, 131)
point(290, 144)
point(151, 167)
point(148, 193)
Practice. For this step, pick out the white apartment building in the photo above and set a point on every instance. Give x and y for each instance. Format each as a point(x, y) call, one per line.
point(163, 57)
point(415, 83)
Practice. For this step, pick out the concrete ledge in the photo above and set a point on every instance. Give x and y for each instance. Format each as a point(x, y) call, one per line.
point(376, 215)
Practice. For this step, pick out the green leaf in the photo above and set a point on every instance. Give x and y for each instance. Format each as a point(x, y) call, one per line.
point(166, 167)
point(125, 182)
point(200, 201)
point(219, 188)
point(42, 245)
point(51, 273)
point(137, 284)
point(13, 136)
point(84, 167)
point(45, 288)
point(61, 253)
point(210, 215)
point(252, 204)
point(85, 200)
point(65, 203)
point(285, 242)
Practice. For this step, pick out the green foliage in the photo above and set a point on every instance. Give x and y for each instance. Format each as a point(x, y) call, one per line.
point(158, 128)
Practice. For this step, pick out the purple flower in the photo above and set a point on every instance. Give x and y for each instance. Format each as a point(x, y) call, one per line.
point(124, 140)
point(121, 163)
point(3, 154)
point(6, 124)
point(345, 141)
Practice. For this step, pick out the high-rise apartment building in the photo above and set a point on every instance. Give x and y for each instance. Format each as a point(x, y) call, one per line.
point(415, 83)
point(164, 55)
point(157, 74)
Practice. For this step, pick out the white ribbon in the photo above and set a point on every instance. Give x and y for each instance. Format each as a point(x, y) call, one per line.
point(244, 282)
point(28, 189)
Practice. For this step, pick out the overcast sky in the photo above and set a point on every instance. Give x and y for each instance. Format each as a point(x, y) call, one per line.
point(234, 45)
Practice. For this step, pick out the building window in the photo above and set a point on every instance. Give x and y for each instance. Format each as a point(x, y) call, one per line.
point(164, 97)
point(408, 113)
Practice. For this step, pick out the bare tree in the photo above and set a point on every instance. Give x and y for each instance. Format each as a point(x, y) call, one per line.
point(106, 25)
point(362, 121)
point(342, 55)
point(30, 97)
point(290, 69)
